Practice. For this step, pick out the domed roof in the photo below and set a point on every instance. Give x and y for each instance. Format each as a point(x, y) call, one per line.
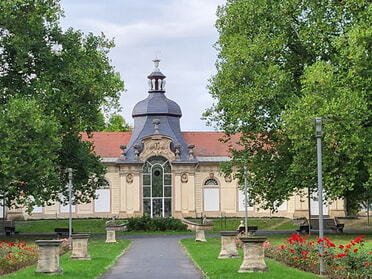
point(157, 104)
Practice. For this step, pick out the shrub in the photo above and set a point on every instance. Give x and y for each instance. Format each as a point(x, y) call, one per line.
point(146, 223)
point(344, 261)
point(15, 255)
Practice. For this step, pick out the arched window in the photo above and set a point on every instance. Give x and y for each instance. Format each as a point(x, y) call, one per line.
point(211, 182)
point(211, 194)
point(157, 187)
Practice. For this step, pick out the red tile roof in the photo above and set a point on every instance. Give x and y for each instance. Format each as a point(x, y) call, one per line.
point(207, 144)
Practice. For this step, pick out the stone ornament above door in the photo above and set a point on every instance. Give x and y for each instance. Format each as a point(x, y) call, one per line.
point(157, 145)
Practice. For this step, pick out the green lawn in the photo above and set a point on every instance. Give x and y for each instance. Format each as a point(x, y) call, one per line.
point(205, 254)
point(103, 256)
point(95, 226)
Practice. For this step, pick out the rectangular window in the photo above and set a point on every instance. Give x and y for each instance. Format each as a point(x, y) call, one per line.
point(212, 199)
point(241, 198)
point(102, 204)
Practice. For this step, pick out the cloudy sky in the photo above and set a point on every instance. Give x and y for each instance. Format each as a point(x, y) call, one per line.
point(180, 32)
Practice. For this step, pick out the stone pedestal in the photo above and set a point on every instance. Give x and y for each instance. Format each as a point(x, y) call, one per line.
point(254, 258)
point(199, 233)
point(48, 260)
point(80, 247)
point(228, 245)
point(110, 235)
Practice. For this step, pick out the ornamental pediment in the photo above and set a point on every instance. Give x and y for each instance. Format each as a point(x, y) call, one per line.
point(157, 145)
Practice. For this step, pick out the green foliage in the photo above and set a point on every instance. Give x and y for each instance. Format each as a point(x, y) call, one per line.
point(69, 76)
point(146, 223)
point(93, 226)
point(205, 255)
point(29, 141)
point(116, 123)
point(231, 224)
point(280, 65)
point(15, 255)
point(94, 268)
point(351, 260)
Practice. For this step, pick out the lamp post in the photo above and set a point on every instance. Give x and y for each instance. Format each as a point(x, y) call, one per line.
point(69, 170)
point(245, 201)
point(319, 135)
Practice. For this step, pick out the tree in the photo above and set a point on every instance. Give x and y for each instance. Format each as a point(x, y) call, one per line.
point(281, 64)
point(25, 133)
point(68, 74)
point(117, 123)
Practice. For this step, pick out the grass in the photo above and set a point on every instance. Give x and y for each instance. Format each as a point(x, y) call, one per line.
point(94, 226)
point(216, 268)
point(204, 254)
point(228, 268)
point(97, 226)
point(103, 256)
point(262, 223)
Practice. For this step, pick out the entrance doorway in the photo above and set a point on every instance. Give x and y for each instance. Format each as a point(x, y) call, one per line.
point(157, 187)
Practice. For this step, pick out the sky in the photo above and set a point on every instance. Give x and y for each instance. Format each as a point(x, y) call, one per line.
point(181, 33)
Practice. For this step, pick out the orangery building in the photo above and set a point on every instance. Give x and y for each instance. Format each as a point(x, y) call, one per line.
point(158, 170)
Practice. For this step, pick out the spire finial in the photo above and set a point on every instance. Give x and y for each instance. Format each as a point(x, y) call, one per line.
point(156, 61)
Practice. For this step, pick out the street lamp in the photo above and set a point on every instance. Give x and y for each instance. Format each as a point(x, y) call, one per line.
point(69, 170)
point(319, 135)
point(245, 201)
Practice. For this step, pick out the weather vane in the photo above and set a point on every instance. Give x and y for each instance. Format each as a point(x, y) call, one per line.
point(156, 53)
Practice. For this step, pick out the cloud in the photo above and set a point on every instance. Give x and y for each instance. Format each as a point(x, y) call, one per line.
point(183, 31)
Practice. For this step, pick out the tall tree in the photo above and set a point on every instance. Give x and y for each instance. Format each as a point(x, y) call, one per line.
point(117, 123)
point(70, 77)
point(281, 64)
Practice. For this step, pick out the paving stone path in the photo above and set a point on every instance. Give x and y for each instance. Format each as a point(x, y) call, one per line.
point(156, 257)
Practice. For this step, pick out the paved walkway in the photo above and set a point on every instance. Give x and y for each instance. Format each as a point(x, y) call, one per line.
point(155, 257)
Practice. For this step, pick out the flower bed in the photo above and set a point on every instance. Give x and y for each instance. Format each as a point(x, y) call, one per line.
point(351, 260)
point(17, 254)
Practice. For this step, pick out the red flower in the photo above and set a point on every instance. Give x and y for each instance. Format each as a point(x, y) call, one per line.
point(359, 239)
point(341, 246)
point(355, 250)
point(291, 251)
point(341, 255)
point(304, 252)
point(366, 264)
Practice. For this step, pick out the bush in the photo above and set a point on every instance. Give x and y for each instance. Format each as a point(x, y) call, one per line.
point(343, 261)
point(146, 223)
point(15, 255)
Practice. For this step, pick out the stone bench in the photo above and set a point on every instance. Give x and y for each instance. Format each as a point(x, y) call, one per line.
point(251, 229)
point(192, 226)
point(63, 232)
point(7, 227)
point(329, 223)
point(303, 229)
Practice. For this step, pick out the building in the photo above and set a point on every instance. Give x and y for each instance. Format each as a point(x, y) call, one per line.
point(161, 171)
